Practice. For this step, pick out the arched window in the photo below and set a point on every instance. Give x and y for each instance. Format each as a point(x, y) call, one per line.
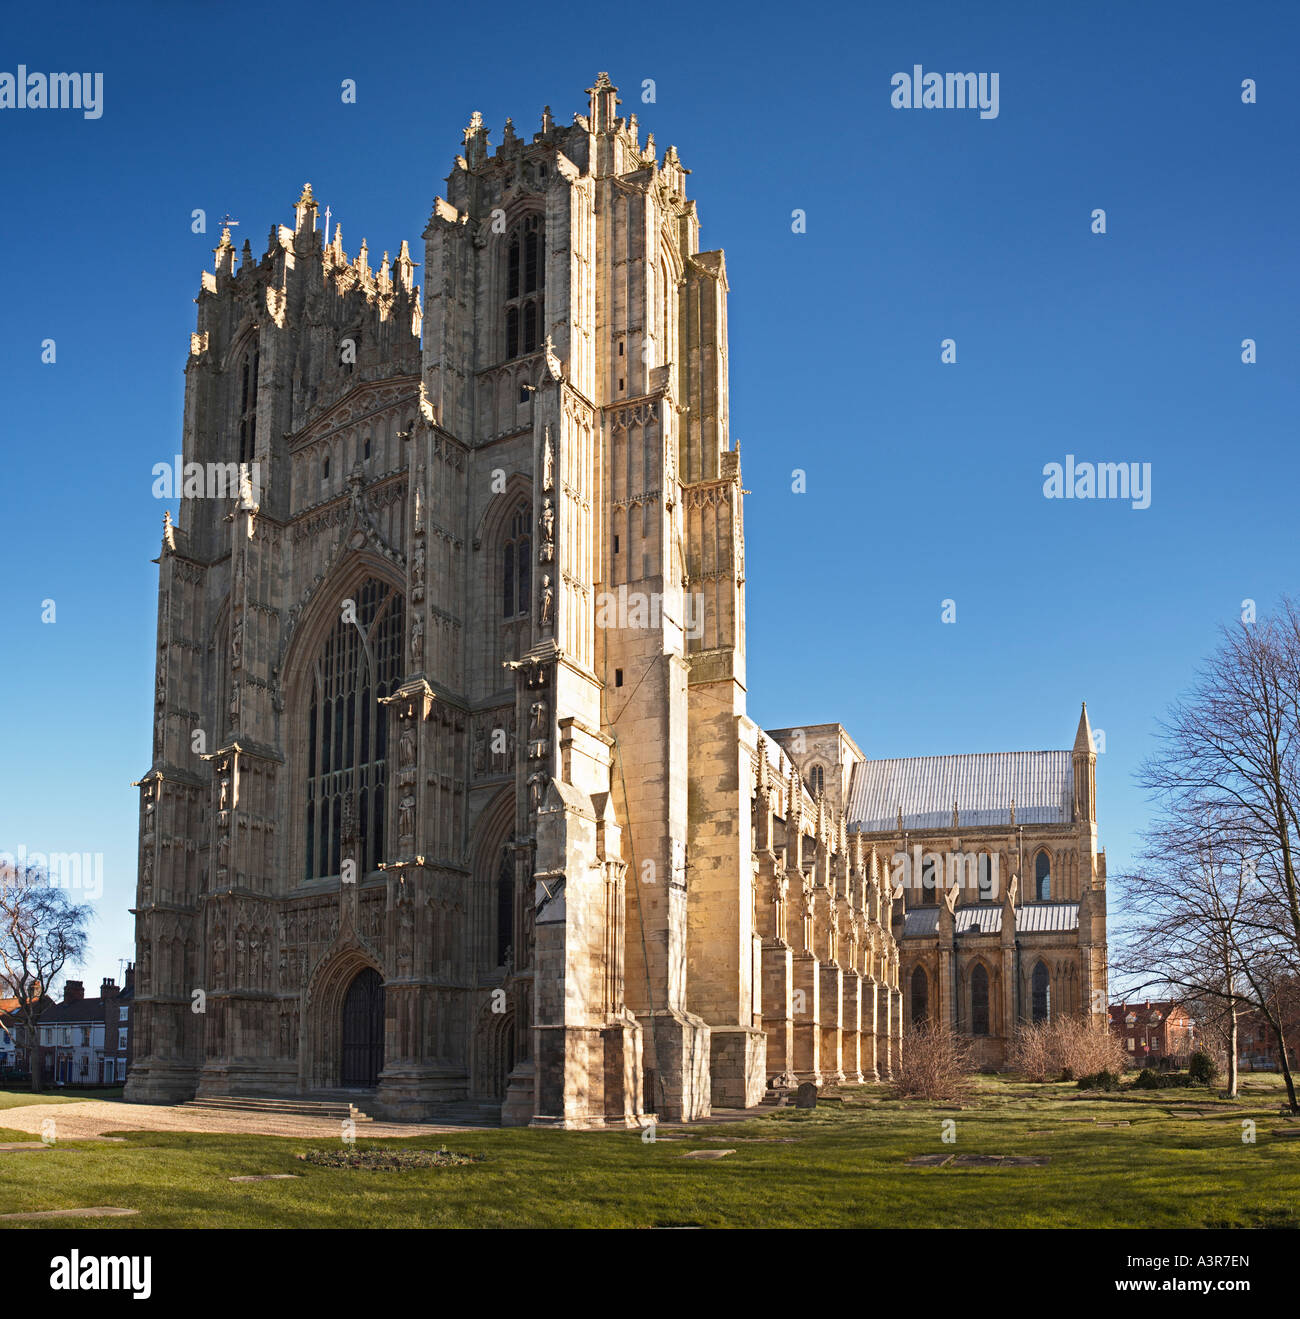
point(347, 731)
point(931, 879)
point(517, 565)
point(248, 406)
point(920, 997)
point(525, 282)
point(505, 908)
point(988, 878)
point(1042, 878)
point(816, 780)
point(979, 1000)
point(1042, 992)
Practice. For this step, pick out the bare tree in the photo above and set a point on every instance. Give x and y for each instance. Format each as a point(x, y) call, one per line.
point(1218, 898)
point(41, 931)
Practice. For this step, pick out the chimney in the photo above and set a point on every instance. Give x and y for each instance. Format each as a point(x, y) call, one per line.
point(109, 988)
point(130, 977)
point(74, 991)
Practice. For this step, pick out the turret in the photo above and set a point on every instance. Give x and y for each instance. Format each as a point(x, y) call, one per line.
point(1084, 757)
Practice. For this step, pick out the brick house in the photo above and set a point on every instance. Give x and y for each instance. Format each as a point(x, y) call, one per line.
point(86, 1041)
point(1153, 1032)
point(1256, 1041)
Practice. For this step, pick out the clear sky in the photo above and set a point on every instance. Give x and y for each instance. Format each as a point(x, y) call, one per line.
point(924, 480)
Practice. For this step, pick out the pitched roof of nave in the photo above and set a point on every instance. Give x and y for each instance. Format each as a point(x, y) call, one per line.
point(924, 788)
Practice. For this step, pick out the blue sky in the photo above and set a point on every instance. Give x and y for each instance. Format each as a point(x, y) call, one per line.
point(924, 480)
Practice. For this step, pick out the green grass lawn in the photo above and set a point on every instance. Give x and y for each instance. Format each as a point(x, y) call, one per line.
point(65, 1095)
point(841, 1165)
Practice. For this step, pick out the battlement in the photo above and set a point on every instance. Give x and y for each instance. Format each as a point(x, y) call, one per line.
point(600, 142)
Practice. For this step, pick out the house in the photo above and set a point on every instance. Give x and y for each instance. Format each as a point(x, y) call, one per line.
point(86, 1041)
point(1154, 1032)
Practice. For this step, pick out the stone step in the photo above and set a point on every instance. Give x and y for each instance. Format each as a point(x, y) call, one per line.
point(334, 1110)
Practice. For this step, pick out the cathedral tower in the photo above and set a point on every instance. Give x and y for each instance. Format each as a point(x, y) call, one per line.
point(450, 797)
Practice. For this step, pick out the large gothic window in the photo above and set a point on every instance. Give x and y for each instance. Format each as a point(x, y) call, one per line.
point(517, 565)
point(248, 407)
point(1042, 992)
point(920, 997)
point(347, 729)
point(525, 282)
point(505, 908)
point(979, 1000)
point(1042, 878)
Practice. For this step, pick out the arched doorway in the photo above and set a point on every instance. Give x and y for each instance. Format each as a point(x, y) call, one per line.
point(363, 1031)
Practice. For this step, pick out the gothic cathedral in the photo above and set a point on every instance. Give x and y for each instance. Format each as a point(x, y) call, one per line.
point(454, 797)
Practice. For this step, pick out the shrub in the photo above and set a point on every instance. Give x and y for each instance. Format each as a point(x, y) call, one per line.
point(1100, 1081)
point(1202, 1068)
point(1149, 1080)
point(1066, 1047)
point(936, 1064)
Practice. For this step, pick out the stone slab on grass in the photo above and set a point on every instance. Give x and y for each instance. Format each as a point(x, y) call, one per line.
point(268, 1177)
point(94, 1211)
point(978, 1160)
point(707, 1154)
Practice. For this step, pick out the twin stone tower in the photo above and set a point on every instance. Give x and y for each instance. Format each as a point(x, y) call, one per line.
point(454, 797)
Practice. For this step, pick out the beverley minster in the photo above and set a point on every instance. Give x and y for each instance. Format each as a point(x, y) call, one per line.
point(455, 802)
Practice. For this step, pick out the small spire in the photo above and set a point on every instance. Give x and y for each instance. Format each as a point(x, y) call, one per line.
point(305, 209)
point(1083, 737)
point(225, 254)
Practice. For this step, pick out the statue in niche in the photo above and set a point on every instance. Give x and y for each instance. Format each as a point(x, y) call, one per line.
point(417, 639)
point(219, 956)
point(547, 523)
point(237, 641)
point(536, 790)
point(548, 600)
point(146, 878)
point(406, 745)
point(406, 816)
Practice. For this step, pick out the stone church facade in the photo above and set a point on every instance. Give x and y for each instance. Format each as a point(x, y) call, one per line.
point(454, 797)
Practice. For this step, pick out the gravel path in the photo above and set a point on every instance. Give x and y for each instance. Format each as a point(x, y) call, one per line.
point(96, 1117)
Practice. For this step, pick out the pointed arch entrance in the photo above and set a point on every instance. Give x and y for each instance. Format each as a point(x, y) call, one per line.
point(362, 1053)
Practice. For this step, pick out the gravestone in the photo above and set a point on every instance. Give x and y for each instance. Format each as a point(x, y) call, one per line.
point(806, 1096)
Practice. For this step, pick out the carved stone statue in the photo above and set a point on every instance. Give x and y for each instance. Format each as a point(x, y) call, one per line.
point(548, 600)
point(547, 523)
